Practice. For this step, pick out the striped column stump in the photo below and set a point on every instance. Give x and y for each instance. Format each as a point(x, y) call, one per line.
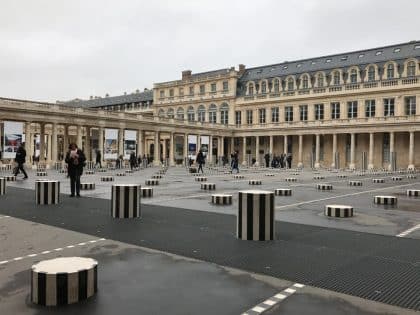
point(152, 182)
point(201, 179)
point(360, 174)
point(355, 183)
point(146, 192)
point(316, 173)
point(255, 220)
point(90, 172)
point(385, 200)
point(64, 280)
point(102, 170)
point(413, 192)
point(221, 199)
point(47, 192)
point(295, 174)
point(396, 178)
point(41, 174)
point(283, 192)
point(192, 170)
point(338, 211)
point(125, 201)
point(129, 171)
point(378, 180)
point(319, 177)
point(255, 182)
point(342, 176)
point(10, 178)
point(227, 172)
point(2, 186)
point(107, 178)
point(291, 179)
point(208, 186)
point(411, 176)
point(270, 174)
point(58, 165)
point(162, 172)
point(120, 174)
point(87, 186)
point(324, 186)
point(238, 176)
point(157, 176)
point(62, 171)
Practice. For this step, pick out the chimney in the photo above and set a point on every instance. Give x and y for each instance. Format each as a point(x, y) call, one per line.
point(106, 95)
point(125, 93)
point(241, 68)
point(137, 91)
point(146, 89)
point(186, 74)
point(91, 97)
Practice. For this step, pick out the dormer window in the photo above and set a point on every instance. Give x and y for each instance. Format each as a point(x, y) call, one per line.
point(378, 53)
point(290, 84)
point(417, 47)
point(397, 50)
point(371, 73)
point(328, 60)
point(263, 87)
point(276, 85)
point(305, 82)
point(411, 69)
point(343, 58)
point(353, 76)
point(320, 80)
point(390, 71)
point(361, 55)
point(336, 78)
point(298, 65)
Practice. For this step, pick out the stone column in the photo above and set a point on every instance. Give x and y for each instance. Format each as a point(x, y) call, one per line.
point(222, 146)
point(79, 141)
point(88, 149)
point(28, 141)
point(285, 145)
point(232, 144)
point(171, 150)
point(244, 162)
point(140, 139)
point(65, 139)
point(49, 149)
point(198, 143)
point(156, 155)
point(42, 143)
point(391, 148)
point(257, 150)
point(121, 142)
point(334, 150)
point(210, 154)
point(411, 151)
point(54, 148)
point(352, 165)
point(271, 146)
point(317, 144)
point(164, 149)
point(101, 143)
point(185, 151)
point(300, 153)
point(371, 146)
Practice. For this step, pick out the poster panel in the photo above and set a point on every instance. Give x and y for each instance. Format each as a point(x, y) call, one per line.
point(111, 144)
point(205, 144)
point(179, 148)
point(192, 146)
point(12, 138)
point(129, 143)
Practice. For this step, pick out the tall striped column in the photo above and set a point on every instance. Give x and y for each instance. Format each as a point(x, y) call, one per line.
point(2, 186)
point(47, 192)
point(255, 219)
point(125, 201)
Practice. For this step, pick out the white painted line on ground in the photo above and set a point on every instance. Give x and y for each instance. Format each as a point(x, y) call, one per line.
point(341, 196)
point(406, 232)
point(276, 299)
point(47, 252)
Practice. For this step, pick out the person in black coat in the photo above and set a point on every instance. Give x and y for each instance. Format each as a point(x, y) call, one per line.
point(75, 160)
point(98, 159)
point(200, 161)
point(20, 160)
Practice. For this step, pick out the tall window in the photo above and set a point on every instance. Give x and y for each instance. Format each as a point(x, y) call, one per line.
point(225, 86)
point(161, 93)
point(202, 89)
point(305, 82)
point(238, 117)
point(191, 90)
point(264, 87)
point(201, 113)
point(410, 105)
point(180, 113)
point(352, 109)
point(170, 113)
point(251, 89)
point(181, 91)
point(261, 114)
point(371, 73)
point(386, 148)
point(319, 111)
point(288, 113)
point(171, 92)
point(320, 80)
point(336, 78)
point(161, 113)
point(274, 114)
point(411, 69)
point(370, 108)
point(335, 110)
point(213, 87)
point(389, 106)
point(303, 112)
point(190, 114)
point(249, 117)
point(353, 76)
point(212, 113)
point(290, 84)
point(224, 114)
point(276, 85)
point(390, 71)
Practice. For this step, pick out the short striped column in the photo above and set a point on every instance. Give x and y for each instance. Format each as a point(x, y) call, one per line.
point(120, 174)
point(378, 180)
point(324, 186)
point(283, 192)
point(342, 176)
point(129, 171)
point(157, 176)
point(107, 178)
point(355, 183)
point(102, 170)
point(361, 174)
point(147, 192)
point(319, 177)
point(221, 199)
point(58, 165)
point(47, 192)
point(270, 174)
point(87, 186)
point(62, 171)
point(413, 192)
point(411, 176)
point(10, 178)
point(201, 179)
point(396, 178)
point(2, 186)
point(90, 172)
point(152, 182)
point(237, 176)
point(208, 186)
point(296, 174)
point(254, 182)
point(338, 211)
point(255, 220)
point(125, 201)
point(41, 173)
point(62, 281)
point(291, 179)
point(385, 200)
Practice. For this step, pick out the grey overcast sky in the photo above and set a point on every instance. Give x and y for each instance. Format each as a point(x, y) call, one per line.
point(59, 50)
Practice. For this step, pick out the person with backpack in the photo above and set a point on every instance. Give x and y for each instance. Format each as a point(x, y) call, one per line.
point(75, 159)
point(20, 160)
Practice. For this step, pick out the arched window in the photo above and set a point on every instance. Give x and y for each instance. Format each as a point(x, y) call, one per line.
point(190, 114)
point(263, 87)
point(212, 113)
point(411, 69)
point(390, 71)
point(371, 73)
point(201, 113)
point(180, 113)
point(251, 89)
point(224, 114)
point(276, 85)
point(305, 82)
point(170, 113)
point(161, 113)
point(320, 80)
point(290, 84)
point(336, 78)
point(353, 76)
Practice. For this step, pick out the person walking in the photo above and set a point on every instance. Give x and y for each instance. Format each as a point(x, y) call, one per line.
point(235, 161)
point(200, 161)
point(75, 160)
point(267, 160)
point(20, 160)
point(98, 159)
point(133, 160)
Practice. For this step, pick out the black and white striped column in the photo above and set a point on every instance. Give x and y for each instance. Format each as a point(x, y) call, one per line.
point(413, 192)
point(2, 186)
point(147, 192)
point(291, 179)
point(342, 176)
point(208, 186)
point(41, 173)
point(107, 179)
point(324, 186)
point(283, 192)
point(355, 183)
point(10, 178)
point(47, 192)
point(90, 172)
point(255, 220)
point(238, 176)
point(254, 182)
point(396, 178)
point(221, 199)
point(157, 176)
point(62, 281)
point(125, 201)
point(201, 179)
point(120, 174)
point(319, 177)
point(385, 200)
point(378, 180)
point(339, 211)
point(411, 176)
point(152, 182)
point(87, 186)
